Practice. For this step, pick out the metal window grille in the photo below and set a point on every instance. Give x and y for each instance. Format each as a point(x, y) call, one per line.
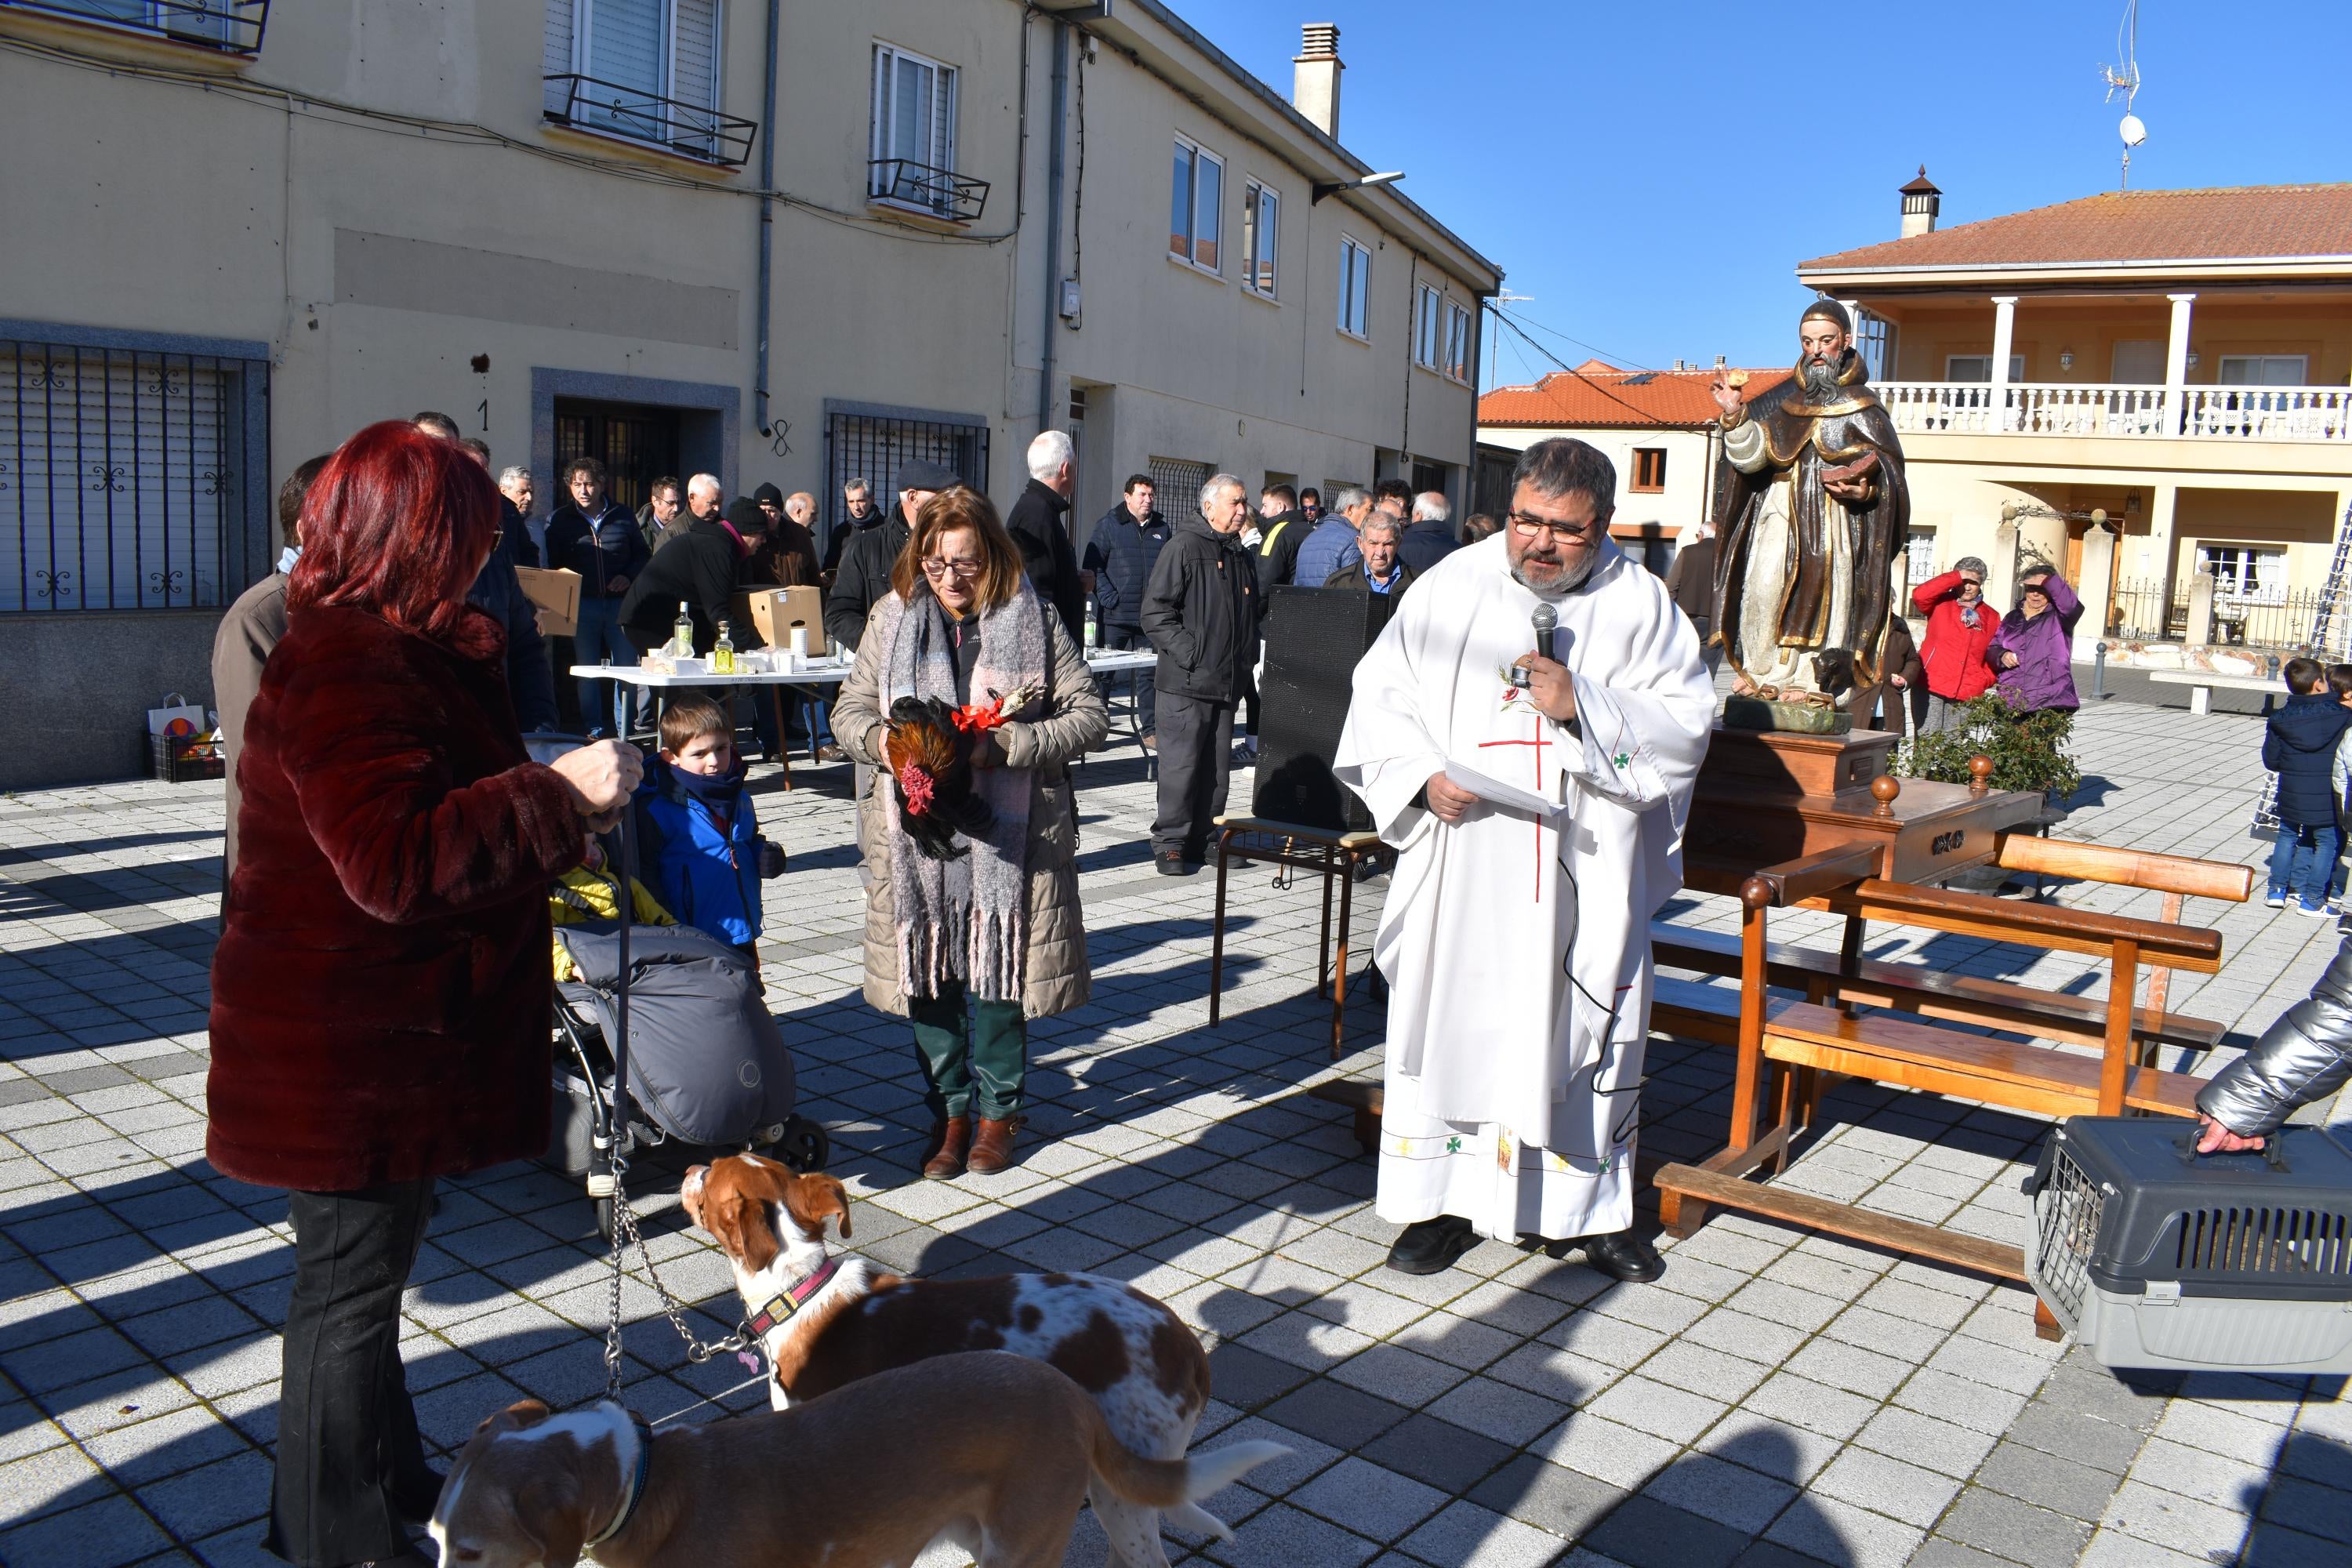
point(126, 478)
point(873, 444)
point(234, 26)
point(1176, 486)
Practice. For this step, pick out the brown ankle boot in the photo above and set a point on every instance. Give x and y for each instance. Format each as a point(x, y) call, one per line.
point(950, 1139)
point(991, 1150)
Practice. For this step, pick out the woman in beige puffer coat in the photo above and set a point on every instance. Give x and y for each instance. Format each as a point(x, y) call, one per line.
point(958, 528)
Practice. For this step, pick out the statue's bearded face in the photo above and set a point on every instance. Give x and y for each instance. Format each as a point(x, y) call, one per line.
point(1553, 541)
point(1820, 348)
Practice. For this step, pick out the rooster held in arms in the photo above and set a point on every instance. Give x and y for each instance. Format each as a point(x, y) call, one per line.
point(929, 746)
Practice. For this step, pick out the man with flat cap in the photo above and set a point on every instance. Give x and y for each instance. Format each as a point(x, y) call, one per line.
point(864, 577)
point(1814, 508)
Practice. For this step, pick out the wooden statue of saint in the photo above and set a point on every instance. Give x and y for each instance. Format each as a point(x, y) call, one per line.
point(1811, 507)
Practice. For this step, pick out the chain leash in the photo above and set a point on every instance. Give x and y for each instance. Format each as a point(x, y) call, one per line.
point(627, 1235)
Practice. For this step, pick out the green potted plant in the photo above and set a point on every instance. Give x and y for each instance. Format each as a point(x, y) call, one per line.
point(2028, 753)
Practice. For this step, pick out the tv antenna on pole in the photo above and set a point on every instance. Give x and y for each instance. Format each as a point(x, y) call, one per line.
point(2124, 78)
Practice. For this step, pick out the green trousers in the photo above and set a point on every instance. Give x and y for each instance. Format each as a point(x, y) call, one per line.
point(965, 1047)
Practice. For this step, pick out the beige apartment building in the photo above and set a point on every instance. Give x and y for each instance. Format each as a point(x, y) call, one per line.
point(2177, 360)
point(787, 242)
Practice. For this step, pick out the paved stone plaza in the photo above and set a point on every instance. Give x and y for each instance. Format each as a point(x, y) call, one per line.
point(1779, 1399)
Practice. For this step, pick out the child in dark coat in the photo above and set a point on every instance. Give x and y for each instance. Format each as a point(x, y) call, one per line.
point(2300, 747)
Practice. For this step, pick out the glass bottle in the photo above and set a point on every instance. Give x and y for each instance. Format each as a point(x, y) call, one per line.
point(722, 653)
point(681, 642)
point(1094, 632)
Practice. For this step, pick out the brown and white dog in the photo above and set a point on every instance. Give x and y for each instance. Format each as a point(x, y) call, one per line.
point(826, 1322)
point(989, 1452)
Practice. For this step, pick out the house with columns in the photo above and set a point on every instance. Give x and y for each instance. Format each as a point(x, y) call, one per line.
point(2172, 366)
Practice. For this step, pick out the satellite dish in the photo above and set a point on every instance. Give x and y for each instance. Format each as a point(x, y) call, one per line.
point(2132, 131)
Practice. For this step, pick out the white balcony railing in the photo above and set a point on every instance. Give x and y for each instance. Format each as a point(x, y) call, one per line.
point(2092, 408)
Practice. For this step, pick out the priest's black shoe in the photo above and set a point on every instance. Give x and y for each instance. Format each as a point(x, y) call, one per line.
point(1624, 1256)
point(1431, 1245)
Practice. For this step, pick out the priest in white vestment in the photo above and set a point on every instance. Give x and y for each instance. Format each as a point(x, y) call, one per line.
point(1539, 810)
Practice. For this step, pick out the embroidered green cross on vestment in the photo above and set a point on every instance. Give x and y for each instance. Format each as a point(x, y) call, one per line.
point(1454, 1145)
point(1622, 760)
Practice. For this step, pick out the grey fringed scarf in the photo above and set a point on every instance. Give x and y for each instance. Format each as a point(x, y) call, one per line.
point(965, 919)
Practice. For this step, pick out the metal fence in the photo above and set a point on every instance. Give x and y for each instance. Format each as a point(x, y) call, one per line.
point(863, 441)
point(129, 480)
point(2281, 620)
point(234, 26)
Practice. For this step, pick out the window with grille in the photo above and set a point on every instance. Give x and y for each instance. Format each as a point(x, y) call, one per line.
point(1195, 205)
point(646, 70)
point(234, 26)
point(1355, 287)
point(1457, 344)
point(126, 478)
point(1649, 468)
point(913, 143)
point(2243, 573)
point(1176, 486)
point(1261, 231)
point(864, 441)
point(1920, 553)
point(1428, 305)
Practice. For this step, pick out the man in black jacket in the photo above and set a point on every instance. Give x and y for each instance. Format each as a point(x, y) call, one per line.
point(1282, 528)
point(1201, 613)
point(1120, 554)
point(1431, 538)
point(697, 567)
point(864, 580)
point(1036, 524)
point(859, 514)
point(530, 681)
point(597, 537)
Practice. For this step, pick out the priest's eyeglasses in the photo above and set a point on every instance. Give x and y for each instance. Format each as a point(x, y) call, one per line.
point(1528, 527)
point(965, 570)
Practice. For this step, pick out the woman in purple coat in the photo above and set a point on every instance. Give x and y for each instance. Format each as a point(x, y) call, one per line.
point(2034, 651)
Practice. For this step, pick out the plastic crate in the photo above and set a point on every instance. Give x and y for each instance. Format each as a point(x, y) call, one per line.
point(2154, 1257)
point(176, 758)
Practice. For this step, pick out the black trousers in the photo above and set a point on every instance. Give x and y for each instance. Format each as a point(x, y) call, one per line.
point(350, 1464)
point(1196, 759)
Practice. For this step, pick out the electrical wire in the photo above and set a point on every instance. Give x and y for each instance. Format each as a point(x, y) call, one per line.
point(1501, 315)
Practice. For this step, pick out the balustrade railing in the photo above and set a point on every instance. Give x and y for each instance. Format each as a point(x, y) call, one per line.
point(2094, 408)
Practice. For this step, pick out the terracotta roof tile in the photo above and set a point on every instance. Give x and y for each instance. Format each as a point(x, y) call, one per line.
point(2242, 221)
point(1601, 394)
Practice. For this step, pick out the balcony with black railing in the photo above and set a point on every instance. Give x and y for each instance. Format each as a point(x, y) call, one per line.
point(687, 129)
point(232, 26)
point(942, 192)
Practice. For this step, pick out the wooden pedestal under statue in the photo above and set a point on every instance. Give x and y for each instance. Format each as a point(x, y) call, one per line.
point(1765, 798)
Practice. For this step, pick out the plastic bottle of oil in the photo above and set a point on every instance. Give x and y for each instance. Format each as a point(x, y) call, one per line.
point(722, 653)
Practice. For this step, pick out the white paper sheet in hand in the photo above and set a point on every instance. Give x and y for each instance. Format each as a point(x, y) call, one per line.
point(1494, 792)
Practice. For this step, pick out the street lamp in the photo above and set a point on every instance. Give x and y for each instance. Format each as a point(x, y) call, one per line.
point(1322, 190)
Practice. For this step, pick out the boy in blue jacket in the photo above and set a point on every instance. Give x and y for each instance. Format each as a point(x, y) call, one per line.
point(2300, 747)
point(699, 833)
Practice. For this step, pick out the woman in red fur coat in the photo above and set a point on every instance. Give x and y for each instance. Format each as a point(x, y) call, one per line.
point(380, 996)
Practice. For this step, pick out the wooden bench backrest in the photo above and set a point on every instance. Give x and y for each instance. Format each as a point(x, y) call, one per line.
point(2026, 925)
point(2127, 867)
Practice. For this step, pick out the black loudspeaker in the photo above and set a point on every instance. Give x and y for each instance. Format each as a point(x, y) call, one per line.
point(1313, 638)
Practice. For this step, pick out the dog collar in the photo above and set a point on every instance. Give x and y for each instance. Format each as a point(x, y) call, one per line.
point(782, 1309)
point(637, 1491)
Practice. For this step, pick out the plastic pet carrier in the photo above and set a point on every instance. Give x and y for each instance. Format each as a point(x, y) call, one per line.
point(2154, 1256)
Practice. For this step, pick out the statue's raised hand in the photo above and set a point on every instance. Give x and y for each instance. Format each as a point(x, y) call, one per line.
point(1724, 392)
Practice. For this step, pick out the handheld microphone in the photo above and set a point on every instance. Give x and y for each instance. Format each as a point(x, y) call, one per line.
point(1547, 625)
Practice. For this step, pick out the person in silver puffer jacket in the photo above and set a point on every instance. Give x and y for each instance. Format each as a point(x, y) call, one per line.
point(2305, 1056)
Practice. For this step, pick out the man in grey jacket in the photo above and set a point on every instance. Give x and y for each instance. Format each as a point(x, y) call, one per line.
point(252, 626)
point(2304, 1056)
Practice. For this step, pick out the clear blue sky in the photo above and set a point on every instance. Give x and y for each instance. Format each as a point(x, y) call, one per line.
point(1651, 173)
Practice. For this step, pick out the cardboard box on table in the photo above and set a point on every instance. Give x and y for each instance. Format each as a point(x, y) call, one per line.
point(774, 612)
point(556, 592)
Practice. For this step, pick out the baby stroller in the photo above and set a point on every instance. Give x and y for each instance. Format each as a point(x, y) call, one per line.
point(706, 1065)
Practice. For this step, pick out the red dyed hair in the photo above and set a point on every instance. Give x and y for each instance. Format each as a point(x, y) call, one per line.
point(398, 522)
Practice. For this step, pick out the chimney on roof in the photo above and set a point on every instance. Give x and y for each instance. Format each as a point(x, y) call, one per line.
point(1719, 361)
point(1315, 78)
point(1921, 200)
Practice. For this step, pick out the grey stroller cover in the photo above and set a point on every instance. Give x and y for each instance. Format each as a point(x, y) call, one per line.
point(707, 1062)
